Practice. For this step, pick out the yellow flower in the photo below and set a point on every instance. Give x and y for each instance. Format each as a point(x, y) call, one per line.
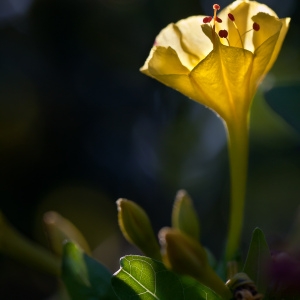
point(219, 62)
point(205, 68)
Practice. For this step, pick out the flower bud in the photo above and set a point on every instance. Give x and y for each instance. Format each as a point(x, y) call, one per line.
point(60, 229)
point(136, 228)
point(185, 255)
point(184, 216)
point(182, 253)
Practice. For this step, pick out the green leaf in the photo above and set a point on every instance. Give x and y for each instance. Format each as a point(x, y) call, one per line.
point(258, 260)
point(144, 278)
point(84, 277)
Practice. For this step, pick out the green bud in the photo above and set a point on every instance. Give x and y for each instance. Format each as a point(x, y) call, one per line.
point(182, 253)
point(136, 228)
point(185, 255)
point(60, 229)
point(184, 216)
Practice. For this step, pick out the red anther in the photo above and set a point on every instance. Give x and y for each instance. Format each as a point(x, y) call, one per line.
point(207, 19)
point(256, 26)
point(218, 20)
point(216, 6)
point(231, 17)
point(223, 33)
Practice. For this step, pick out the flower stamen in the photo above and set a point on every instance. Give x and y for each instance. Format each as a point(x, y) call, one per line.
point(255, 27)
point(231, 18)
point(216, 7)
point(224, 34)
point(207, 19)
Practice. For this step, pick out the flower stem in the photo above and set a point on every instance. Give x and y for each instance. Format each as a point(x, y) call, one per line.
point(238, 140)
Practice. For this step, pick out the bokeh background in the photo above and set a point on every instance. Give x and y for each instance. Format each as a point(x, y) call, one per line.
point(80, 127)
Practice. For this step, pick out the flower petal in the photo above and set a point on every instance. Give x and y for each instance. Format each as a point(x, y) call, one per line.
point(166, 61)
point(283, 32)
point(243, 10)
point(267, 44)
point(170, 37)
point(165, 66)
point(192, 38)
point(262, 58)
point(187, 39)
point(269, 26)
point(223, 83)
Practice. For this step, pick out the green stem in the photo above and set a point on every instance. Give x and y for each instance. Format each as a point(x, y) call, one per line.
point(238, 140)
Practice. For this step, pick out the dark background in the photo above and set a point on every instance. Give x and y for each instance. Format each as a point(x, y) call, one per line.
point(80, 127)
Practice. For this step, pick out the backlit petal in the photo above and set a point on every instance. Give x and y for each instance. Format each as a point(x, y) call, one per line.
point(285, 25)
point(165, 61)
point(243, 11)
point(165, 66)
point(269, 25)
point(187, 39)
point(267, 43)
point(170, 37)
point(222, 82)
point(192, 37)
point(262, 58)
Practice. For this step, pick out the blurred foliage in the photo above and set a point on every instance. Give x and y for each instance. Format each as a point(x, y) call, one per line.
point(288, 107)
point(81, 127)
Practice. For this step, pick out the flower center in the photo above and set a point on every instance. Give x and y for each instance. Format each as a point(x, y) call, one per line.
point(224, 33)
